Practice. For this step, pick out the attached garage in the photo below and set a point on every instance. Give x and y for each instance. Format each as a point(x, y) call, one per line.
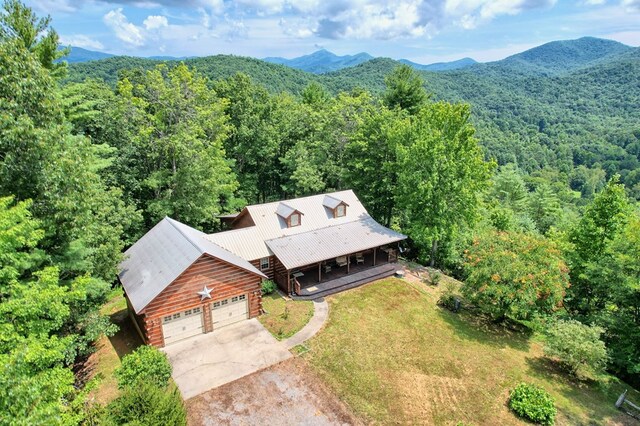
point(182, 325)
point(180, 285)
point(229, 311)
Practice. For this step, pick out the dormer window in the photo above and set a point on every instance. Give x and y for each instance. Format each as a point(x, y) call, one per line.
point(291, 216)
point(294, 220)
point(334, 206)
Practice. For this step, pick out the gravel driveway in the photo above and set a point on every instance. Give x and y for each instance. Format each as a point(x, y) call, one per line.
point(288, 393)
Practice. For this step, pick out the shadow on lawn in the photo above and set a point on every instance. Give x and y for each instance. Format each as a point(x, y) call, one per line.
point(127, 339)
point(596, 400)
point(470, 326)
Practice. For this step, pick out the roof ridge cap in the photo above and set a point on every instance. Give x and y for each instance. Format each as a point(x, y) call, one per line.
point(193, 243)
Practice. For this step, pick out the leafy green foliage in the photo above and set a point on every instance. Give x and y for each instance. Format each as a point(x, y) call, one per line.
point(533, 403)
point(146, 364)
point(268, 287)
point(145, 404)
point(515, 275)
point(440, 175)
point(405, 90)
point(578, 347)
point(172, 153)
point(603, 219)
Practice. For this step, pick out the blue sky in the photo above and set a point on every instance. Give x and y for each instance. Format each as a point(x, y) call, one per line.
point(422, 31)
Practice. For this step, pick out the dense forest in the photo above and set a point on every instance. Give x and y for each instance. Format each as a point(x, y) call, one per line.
point(521, 182)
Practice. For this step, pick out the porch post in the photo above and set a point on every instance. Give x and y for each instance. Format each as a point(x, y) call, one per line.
point(375, 249)
point(348, 262)
point(319, 271)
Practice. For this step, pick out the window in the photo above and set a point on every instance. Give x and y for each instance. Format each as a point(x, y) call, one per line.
point(187, 312)
point(264, 263)
point(224, 302)
point(216, 305)
point(294, 220)
point(196, 310)
point(234, 299)
point(242, 297)
point(341, 210)
point(176, 316)
point(166, 319)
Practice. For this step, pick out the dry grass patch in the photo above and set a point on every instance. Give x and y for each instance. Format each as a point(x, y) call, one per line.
point(284, 318)
point(396, 357)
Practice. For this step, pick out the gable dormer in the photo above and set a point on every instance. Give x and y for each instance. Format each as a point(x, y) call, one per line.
point(337, 207)
point(291, 216)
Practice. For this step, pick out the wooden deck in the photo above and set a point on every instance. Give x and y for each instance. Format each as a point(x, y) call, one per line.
point(344, 282)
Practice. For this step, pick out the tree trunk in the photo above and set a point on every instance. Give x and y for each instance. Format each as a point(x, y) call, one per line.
point(434, 250)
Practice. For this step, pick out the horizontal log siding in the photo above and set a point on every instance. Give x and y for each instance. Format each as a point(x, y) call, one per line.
point(281, 276)
point(224, 279)
point(268, 272)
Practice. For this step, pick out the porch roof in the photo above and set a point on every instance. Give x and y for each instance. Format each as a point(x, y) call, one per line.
point(317, 245)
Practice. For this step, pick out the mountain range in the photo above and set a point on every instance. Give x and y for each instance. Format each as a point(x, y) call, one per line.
point(319, 62)
point(563, 104)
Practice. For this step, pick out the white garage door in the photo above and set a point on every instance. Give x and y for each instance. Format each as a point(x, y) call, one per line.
point(182, 325)
point(229, 311)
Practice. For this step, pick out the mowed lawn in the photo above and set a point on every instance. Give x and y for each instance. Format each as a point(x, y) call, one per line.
point(395, 357)
point(284, 318)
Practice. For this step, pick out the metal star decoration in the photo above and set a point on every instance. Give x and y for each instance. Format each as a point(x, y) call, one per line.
point(205, 293)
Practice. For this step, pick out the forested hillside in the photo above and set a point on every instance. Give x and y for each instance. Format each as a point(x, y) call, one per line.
point(566, 105)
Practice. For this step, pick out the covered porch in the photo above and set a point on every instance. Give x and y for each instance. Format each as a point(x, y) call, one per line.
point(313, 263)
point(343, 272)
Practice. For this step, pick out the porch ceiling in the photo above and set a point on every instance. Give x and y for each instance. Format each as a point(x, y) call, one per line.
point(315, 246)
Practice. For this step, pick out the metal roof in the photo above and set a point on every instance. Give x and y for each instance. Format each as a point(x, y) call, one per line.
point(162, 254)
point(326, 243)
point(284, 210)
point(331, 202)
point(249, 242)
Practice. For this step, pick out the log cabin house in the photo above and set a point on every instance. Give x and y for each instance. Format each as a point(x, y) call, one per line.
point(180, 282)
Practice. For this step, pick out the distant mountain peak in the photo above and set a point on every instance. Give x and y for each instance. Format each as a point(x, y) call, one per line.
point(566, 55)
point(321, 61)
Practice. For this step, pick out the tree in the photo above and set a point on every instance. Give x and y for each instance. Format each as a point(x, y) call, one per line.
point(371, 160)
point(405, 90)
point(578, 347)
point(146, 364)
point(616, 277)
point(514, 275)
point(441, 172)
point(173, 160)
point(544, 207)
point(252, 142)
point(603, 219)
point(19, 23)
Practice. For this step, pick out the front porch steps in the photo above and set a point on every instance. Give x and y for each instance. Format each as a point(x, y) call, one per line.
point(346, 282)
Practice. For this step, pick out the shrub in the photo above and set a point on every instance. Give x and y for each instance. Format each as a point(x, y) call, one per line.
point(146, 364)
point(268, 287)
point(435, 277)
point(146, 404)
point(578, 347)
point(450, 297)
point(533, 403)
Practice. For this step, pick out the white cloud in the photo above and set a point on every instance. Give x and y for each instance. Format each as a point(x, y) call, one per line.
point(80, 40)
point(633, 5)
point(123, 29)
point(594, 2)
point(154, 22)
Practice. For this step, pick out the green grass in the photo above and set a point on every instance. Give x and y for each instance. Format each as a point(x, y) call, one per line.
point(284, 318)
point(396, 357)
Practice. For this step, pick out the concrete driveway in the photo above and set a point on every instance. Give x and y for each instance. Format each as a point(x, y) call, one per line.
point(211, 360)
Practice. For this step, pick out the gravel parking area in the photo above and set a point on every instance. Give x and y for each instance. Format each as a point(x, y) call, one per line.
point(288, 393)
